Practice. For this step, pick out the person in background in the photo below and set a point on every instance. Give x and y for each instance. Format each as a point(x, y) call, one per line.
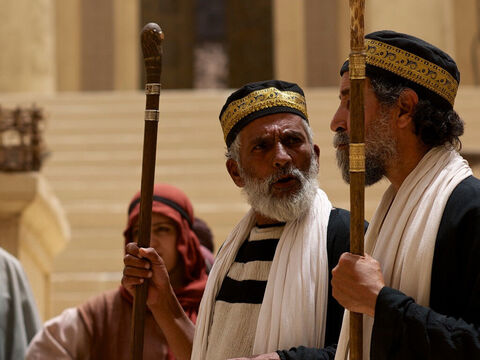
point(268, 294)
point(205, 236)
point(19, 320)
point(100, 328)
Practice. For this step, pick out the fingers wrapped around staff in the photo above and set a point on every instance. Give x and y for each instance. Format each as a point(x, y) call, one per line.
point(137, 268)
point(141, 264)
point(356, 282)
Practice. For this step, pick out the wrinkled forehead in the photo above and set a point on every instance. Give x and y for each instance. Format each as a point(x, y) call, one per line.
point(281, 123)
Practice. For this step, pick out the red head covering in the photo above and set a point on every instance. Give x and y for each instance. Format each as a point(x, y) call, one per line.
point(173, 203)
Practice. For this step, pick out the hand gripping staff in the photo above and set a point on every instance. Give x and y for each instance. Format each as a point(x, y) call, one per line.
point(357, 155)
point(152, 37)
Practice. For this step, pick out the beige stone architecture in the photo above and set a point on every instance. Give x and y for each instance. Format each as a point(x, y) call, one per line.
point(80, 61)
point(84, 45)
point(27, 46)
point(34, 228)
point(95, 164)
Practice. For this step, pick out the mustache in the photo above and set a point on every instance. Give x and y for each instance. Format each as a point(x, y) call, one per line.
point(288, 171)
point(341, 138)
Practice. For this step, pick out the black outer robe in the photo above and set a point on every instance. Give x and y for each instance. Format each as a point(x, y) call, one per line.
point(450, 327)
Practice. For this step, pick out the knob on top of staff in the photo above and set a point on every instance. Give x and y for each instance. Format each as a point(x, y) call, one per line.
point(152, 37)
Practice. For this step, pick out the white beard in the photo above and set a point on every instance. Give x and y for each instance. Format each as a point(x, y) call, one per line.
point(287, 208)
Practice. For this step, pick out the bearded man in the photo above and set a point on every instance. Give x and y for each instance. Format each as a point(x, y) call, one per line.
point(419, 281)
point(268, 292)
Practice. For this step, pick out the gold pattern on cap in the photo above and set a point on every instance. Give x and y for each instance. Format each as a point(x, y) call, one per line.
point(259, 100)
point(412, 67)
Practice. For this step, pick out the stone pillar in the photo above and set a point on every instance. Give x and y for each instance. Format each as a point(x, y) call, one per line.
point(431, 20)
point(34, 229)
point(127, 48)
point(98, 44)
point(322, 37)
point(176, 18)
point(68, 35)
point(466, 17)
point(289, 37)
point(97, 62)
point(250, 41)
point(27, 44)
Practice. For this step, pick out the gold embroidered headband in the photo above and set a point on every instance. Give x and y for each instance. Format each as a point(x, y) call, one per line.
point(267, 101)
point(412, 67)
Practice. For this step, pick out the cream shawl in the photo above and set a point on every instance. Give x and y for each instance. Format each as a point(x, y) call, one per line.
point(293, 311)
point(403, 231)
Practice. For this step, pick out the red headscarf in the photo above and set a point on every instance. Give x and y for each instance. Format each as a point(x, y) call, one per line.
point(173, 203)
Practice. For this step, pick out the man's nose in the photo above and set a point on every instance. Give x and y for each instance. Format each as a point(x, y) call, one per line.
point(339, 120)
point(281, 157)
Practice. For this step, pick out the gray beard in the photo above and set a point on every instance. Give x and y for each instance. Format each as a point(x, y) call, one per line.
point(287, 208)
point(380, 149)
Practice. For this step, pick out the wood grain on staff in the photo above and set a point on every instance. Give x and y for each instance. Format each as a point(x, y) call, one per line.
point(151, 38)
point(357, 156)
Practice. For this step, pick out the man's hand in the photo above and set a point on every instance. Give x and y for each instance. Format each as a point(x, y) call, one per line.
point(141, 264)
point(271, 356)
point(356, 282)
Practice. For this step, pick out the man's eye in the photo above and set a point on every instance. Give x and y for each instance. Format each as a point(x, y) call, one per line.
point(292, 140)
point(259, 147)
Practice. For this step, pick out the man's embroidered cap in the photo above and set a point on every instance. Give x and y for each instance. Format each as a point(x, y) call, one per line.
point(408, 60)
point(259, 99)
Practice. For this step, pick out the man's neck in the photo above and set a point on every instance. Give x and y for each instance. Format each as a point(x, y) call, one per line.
point(263, 220)
point(404, 164)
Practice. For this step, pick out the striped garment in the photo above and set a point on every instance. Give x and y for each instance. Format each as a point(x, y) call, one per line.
point(240, 297)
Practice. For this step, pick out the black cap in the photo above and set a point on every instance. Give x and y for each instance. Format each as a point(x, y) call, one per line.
point(408, 60)
point(259, 99)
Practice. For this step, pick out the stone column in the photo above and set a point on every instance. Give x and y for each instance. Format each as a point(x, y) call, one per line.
point(34, 229)
point(289, 38)
point(127, 48)
point(466, 17)
point(322, 37)
point(176, 18)
point(68, 49)
point(97, 54)
point(250, 41)
point(432, 20)
point(27, 44)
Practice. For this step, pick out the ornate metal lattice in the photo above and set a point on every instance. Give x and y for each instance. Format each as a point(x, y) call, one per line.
point(21, 143)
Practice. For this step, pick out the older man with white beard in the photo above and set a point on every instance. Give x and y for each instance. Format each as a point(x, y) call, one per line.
point(268, 292)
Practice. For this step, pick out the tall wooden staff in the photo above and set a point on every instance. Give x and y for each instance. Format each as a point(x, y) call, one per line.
point(357, 155)
point(152, 37)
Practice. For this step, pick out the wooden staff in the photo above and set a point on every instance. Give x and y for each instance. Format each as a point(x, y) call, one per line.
point(357, 156)
point(152, 37)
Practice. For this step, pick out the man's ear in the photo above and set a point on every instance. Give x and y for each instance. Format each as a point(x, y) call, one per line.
point(232, 168)
point(406, 102)
point(316, 149)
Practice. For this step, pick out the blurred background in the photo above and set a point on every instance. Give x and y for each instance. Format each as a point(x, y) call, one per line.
point(72, 103)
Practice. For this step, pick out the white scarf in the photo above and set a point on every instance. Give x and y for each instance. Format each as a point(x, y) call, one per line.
point(403, 231)
point(293, 311)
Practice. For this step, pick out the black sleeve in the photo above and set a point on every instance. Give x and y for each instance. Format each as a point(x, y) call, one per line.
point(338, 242)
point(405, 330)
point(450, 327)
point(304, 353)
